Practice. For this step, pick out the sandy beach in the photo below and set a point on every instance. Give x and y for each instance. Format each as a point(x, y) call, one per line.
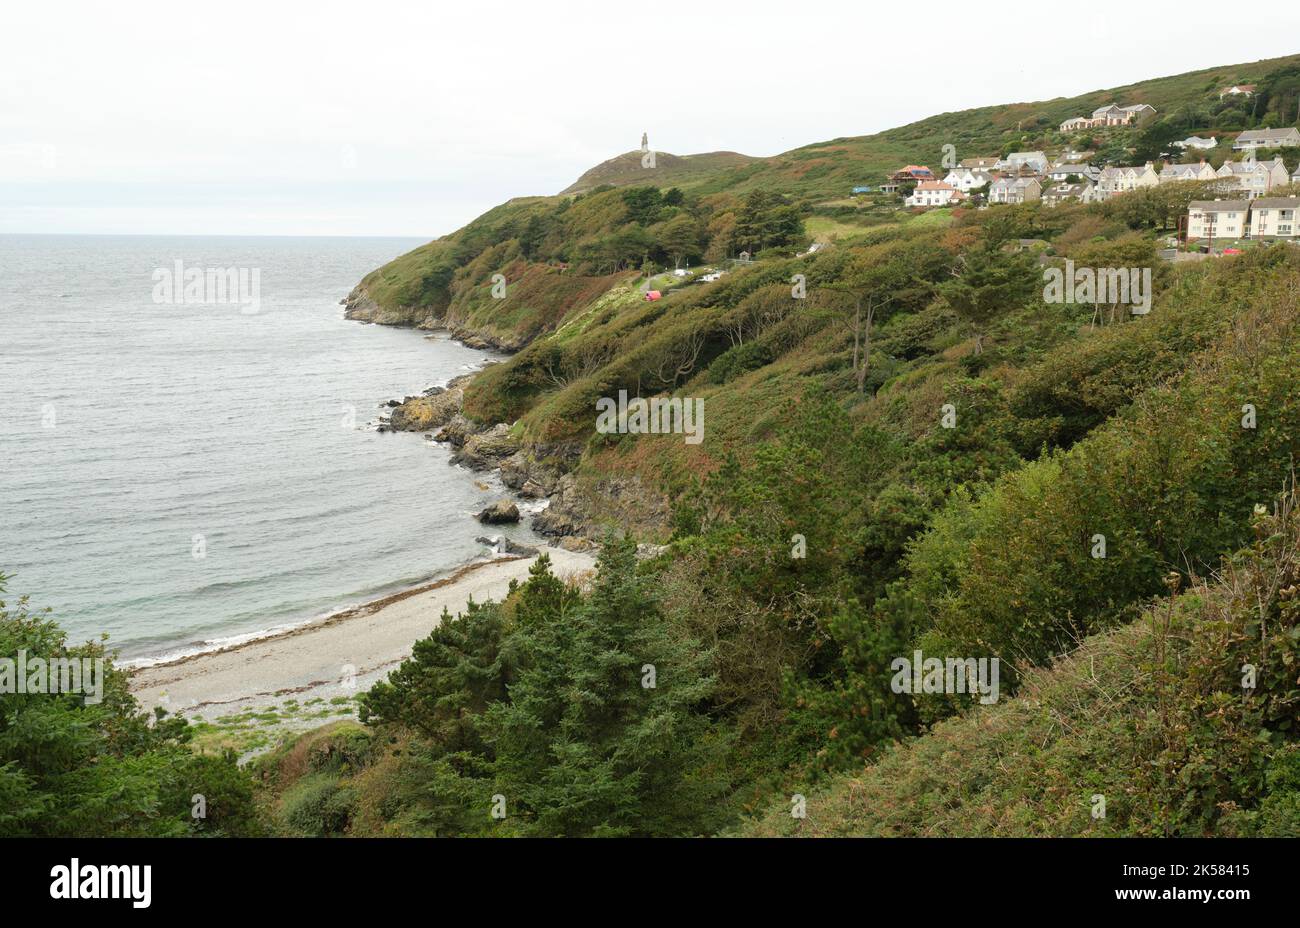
point(338, 656)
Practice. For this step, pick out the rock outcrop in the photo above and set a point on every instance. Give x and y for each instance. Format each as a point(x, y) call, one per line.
point(435, 409)
point(503, 545)
point(360, 307)
point(534, 472)
point(586, 507)
point(579, 511)
point(499, 513)
point(485, 450)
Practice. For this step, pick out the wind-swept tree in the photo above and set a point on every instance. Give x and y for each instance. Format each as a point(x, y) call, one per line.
point(880, 280)
point(986, 283)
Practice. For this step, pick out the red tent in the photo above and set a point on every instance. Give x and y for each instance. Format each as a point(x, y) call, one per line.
point(652, 295)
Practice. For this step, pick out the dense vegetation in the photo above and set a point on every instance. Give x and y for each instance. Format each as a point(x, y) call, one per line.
point(70, 766)
point(906, 448)
point(1151, 724)
point(975, 540)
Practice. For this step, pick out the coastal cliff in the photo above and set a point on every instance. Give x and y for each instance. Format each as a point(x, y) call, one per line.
point(582, 506)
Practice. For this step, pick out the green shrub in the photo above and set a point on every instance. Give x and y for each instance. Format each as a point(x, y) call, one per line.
point(317, 805)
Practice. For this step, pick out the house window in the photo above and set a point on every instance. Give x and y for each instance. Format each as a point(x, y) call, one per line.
point(1284, 230)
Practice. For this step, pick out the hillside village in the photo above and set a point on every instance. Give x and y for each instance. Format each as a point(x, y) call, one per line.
point(1253, 175)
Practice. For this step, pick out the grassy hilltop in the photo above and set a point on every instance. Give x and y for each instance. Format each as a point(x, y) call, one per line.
point(437, 282)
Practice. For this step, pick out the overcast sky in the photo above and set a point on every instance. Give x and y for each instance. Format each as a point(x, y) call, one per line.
point(385, 118)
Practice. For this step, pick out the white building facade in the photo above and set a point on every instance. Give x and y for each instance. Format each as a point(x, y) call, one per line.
point(1216, 219)
point(1275, 218)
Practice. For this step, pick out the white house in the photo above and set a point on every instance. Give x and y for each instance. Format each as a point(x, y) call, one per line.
point(1065, 170)
point(1195, 141)
point(1035, 161)
point(933, 193)
point(1275, 217)
point(1015, 190)
point(1091, 194)
point(1057, 194)
point(1173, 172)
point(978, 164)
point(1266, 138)
point(1256, 178)
point(966, 180)
point(1123, 179)
point(1211, 219)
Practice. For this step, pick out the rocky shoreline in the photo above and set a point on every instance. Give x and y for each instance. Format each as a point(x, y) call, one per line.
point(532, 473)
point(578, 511)
point(360, 307)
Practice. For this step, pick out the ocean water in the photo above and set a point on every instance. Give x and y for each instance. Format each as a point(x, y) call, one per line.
point(181, 474)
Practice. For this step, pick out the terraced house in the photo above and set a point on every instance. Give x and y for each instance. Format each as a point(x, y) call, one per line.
point(1275, 218)
point(1175, 172)
point(1217, 219)
point(1115, 180)
point(1255, 178)
point(1110, 115)
point(1015, 190)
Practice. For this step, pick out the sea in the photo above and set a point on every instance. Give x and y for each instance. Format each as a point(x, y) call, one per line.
point(189, 444)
